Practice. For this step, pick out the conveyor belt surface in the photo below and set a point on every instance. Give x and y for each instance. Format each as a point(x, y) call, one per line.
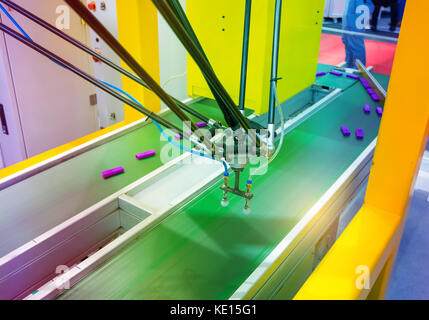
point(73, 186)
point(333, 81)
point(205, 251)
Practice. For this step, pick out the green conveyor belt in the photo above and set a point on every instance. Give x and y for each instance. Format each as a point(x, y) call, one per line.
point(64, 190)
point(332, 81)
point(205, 251)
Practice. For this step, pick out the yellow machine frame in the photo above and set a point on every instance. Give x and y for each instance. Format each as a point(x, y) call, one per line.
point(360, 263)
point(138, 32)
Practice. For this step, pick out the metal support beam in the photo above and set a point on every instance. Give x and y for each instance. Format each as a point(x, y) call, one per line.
point(100, 57)
point(274, 70)
point(245, 55)
point(114, 44)
point(175, 24)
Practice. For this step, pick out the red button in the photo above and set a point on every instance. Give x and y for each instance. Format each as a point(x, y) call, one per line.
point(92, 6)
point(94, 58)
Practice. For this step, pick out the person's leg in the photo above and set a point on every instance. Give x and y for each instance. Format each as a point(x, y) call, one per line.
point(401, 9)
point(362, 51)
point(349, 57)
point(393, 15)
point(375, 14)
point(357, 46)
point(349, 52)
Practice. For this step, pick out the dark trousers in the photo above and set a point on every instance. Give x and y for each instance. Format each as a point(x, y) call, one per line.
point(393, 12)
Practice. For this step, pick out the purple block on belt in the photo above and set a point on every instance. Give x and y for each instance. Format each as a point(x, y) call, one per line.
point(359, 134)
point(335, 73)
point(345, 131)
point(320, 74)
point(366, 109)
point(112, 172)
point(352, 76)
point(375, 97)
point(379, 111)
point(146, 154)
point(365, 83)
point(201, 124)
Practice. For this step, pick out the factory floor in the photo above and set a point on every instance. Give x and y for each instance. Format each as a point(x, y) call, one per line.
point(410, 278)
point(380, 55)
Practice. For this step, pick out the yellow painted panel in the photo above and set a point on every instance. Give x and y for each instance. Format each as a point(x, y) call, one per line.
point(402, 132)
point(360, 246)
point(138, 33)
point(219, 27)
point(369, 239)
point(56, 151)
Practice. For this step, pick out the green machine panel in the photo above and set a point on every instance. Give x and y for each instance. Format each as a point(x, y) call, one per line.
point(219, 26)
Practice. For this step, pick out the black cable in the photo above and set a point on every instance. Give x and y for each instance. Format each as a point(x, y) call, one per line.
point(115, 45)
point(181, 15)
point(179, 30)
point(96, 55)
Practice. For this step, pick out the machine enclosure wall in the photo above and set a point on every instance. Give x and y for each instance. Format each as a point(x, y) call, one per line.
point(219, 27)
point(43, 109)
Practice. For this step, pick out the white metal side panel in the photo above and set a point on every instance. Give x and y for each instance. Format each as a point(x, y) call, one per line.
point(172, 61)
point(53, 103)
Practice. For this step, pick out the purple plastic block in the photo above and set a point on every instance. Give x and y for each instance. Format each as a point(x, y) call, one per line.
point(345, 131)
point(370, 91)
point(375, 97)
point(112, 172)
point(352, 76)
point(379, 111)
point(146, 154)
point(179, 137)
point(365, 83)
point(359, 134)
point(335, 73)
point(320, 74)
point(367, 109)
point(201, 124)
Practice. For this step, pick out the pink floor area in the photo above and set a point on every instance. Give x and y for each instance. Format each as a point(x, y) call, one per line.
point(379, 54)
